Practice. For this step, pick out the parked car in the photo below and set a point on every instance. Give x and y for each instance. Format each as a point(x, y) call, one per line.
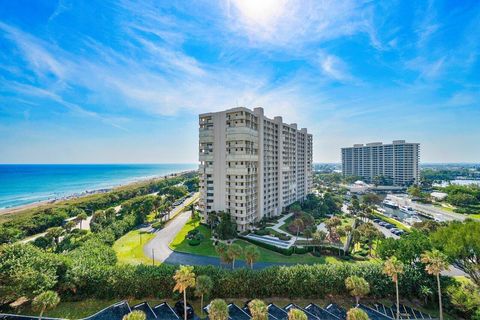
point(376, 220)
point(382, 223)
point(179, 309)
point(389, 226)
point(400, 232)
point(396, 231)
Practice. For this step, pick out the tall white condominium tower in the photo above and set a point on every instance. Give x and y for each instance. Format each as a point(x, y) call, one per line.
point(252, 166)
point(396, 162)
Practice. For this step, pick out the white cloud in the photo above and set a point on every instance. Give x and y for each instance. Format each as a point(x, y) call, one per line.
point(427, 69)
point(299, 22)
point(40, 60)
point(334, 67)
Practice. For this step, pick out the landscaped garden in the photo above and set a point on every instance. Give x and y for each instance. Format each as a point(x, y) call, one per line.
point(206, 247)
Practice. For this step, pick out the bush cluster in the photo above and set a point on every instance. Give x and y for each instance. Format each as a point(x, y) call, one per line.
point(91, 272)
point(194, 237)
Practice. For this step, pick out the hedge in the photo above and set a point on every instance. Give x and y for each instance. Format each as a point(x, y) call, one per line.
point(90, 271)
point(291, 250)
point(299, 281)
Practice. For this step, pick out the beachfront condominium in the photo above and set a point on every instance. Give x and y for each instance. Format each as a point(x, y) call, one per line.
point(395, 163)
point(252, 166)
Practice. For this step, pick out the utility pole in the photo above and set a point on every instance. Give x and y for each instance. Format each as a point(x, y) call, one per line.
point(153, 257)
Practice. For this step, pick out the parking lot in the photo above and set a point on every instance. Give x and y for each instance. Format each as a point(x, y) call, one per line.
point(387, 229)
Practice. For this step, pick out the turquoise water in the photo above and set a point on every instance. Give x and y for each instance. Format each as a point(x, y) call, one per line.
point(29, 183)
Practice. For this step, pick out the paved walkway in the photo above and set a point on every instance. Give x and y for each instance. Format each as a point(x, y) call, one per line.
point(281, 222)
point(85, 226)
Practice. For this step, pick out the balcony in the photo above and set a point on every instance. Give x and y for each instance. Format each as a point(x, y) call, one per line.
point(241, 133)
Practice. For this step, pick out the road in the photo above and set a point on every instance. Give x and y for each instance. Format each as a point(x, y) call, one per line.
point(438, 213)
point(158, 248)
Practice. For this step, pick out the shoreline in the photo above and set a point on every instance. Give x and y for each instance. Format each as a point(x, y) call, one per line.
point(74, 196)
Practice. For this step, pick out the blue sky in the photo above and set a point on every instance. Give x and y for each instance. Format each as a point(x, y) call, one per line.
point(124, 81)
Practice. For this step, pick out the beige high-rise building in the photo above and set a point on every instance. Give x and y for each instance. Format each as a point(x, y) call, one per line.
point(396, 161)
point(252, 166)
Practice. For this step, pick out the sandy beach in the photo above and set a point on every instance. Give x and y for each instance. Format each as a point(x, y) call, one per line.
point(46, 203)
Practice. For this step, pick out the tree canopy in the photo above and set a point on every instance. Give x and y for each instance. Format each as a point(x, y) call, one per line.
point(460, 243)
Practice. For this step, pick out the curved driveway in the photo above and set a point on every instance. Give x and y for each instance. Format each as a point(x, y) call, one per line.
point(158, 248)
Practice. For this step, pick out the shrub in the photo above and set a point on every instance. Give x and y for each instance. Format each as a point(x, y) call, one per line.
point(158, 225)
point(284, 237)
point(262, 232)
point(194, 242)
point(90, 271)
point(465, 297)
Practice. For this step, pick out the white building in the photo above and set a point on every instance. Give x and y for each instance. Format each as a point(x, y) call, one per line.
point(252, 166)
point(397, 161)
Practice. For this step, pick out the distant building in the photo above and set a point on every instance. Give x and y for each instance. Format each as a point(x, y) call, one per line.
point(396, 163)
point(359, 187)
point(439, 195)
point(252, 166)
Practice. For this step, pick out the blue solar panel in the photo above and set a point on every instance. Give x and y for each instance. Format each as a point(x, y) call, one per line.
point(145, 308)
point(373, 314)
point(320, 312)
point(389, 312)
point(277, 312)
point(164, 311)
point(310, 316)
point(235, 313)
point(336, 310)
point(114, 312)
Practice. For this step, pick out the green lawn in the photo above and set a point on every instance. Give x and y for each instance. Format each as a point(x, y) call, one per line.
point(284, 226)
point(129, 248)
point(206, 248)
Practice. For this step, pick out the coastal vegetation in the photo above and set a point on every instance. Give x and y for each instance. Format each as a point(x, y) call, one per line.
point(32, 221)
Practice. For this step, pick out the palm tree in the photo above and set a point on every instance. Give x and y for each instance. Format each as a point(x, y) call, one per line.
point(55, 233)
point(258, 309)
point(357, 314)
point(45, 300)
point(218, 310)
point(135, 315)
point(234, 252)
point(435, 262)
point(80, 217)
point(318, 237)
point(296, 314)
point(70, 225)
point(221, 250)
point(157, 203)
point(251, 255)
point(358, 287)
point(203, 288)
point(184, 278)
point(425, 292)
point(298, 224)
point(392, 268)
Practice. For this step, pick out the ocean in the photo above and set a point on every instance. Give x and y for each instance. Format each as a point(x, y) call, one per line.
point(22, 184)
